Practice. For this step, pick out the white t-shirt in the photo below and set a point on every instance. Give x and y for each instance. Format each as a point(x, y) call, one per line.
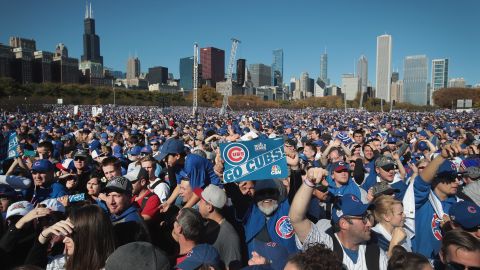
point(162, 190)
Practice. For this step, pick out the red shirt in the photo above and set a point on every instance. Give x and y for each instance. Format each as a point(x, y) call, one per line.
point(150, 208)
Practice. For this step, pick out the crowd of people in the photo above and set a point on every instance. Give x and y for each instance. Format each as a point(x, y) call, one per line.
point(143, 188)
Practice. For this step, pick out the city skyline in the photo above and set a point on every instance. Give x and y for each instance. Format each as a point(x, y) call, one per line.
point(163, 39)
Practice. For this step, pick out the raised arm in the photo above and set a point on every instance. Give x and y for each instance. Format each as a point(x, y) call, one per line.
point(430, 171)
point(299, 207)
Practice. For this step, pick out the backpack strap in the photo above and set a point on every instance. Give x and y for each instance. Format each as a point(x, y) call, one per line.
point(152, 187)
point(372, 251)
point(372, 256)
point(337, 248)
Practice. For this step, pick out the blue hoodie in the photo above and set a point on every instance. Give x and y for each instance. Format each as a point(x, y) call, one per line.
point(131, 214)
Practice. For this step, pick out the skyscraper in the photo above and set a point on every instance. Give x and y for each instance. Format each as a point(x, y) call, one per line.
point(277, 68)
point(304, 81)
point(133, 68)
point(415, 79)
point(323, 67)
point(157, 75)
point(241, 66)
point(91, 41)
point(64, 68)
point(350, 86)
point(439, 74)
point(383, 67)
point(213, 65)
point(261, 74)
point(396, 88)
point(186, 73)
point(362, 72)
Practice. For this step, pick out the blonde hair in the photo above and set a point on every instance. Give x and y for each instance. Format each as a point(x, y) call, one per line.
point(383, 205)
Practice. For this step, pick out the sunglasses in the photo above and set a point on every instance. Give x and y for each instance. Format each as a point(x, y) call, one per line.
point(388, 167)
point(79, 158)
point(459, 266)
point(322, 188)
point(472, 230)
point(154, 144)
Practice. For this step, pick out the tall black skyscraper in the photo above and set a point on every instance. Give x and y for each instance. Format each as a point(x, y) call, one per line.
point(91, 41)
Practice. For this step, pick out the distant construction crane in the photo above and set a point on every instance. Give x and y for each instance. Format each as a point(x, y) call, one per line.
point(195, 78)
point(228, 89)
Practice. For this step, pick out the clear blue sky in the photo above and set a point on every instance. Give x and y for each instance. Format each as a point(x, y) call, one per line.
point(161, 31)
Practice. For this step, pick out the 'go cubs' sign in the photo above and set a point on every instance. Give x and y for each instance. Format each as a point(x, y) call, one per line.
point(254, 160)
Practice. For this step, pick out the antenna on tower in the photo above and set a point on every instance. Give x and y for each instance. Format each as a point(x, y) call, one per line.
point(86, 10)
point(91, 12)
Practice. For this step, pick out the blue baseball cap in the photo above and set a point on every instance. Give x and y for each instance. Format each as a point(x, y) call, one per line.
point(318, 143)
point(391, 140)
point(135, 151)
point(199, 255)
point(95, 144)
point(146, 150)
point(171, 146)
point(466, 214)
point(7, 191)
point(422, 146)
point(273, 252)
point(348, 205)
point(423, 133)
point(43, 165)
point(447, 170)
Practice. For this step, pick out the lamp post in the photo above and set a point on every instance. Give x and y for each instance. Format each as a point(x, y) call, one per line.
point(113, 88)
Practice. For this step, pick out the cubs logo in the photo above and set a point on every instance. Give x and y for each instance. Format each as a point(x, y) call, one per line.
point(355, 199)
point(235, 154)
point(471, 209)
point(436, 231)
point(284, 228)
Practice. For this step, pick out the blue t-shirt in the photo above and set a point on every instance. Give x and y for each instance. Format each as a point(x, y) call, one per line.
point(199, 170)
point(353, 254)
point(428, 234)
point(40, 194)
point(349, 188)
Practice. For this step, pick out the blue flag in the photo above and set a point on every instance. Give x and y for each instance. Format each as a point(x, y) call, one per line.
point(12, 146)
point(254, 160)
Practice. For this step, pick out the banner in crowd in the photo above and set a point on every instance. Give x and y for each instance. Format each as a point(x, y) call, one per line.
point(12, 146)
point(254, 160)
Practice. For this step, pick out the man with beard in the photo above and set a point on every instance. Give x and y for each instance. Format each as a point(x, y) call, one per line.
point(348, 238)
point(266, 219)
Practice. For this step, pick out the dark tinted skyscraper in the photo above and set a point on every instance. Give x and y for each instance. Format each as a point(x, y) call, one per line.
point(157, 75)
point(186, 73)
point(241, 64)
point(213, 65)
point(91, 41)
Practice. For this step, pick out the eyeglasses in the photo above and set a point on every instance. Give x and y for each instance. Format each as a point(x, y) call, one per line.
point(365, 218)
point(459, 266)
